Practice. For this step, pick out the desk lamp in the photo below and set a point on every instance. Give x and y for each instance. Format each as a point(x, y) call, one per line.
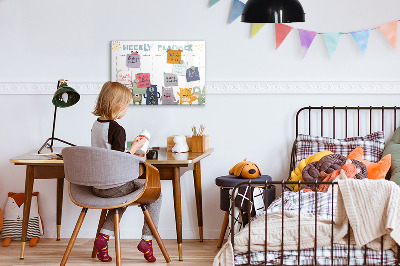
point(64, 96)
point(273, 11)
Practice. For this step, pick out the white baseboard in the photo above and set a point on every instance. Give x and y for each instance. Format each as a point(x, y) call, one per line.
point(231, 87)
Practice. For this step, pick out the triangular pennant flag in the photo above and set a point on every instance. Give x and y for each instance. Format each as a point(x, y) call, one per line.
point(361, 37)
point(256, 28)
point(332, 41)
point(390, 32)
point(281, 31)
point(237, 9)
point(213, 2)
point(306, 39)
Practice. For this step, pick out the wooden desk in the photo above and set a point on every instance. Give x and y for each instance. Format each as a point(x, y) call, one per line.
point(171, 167)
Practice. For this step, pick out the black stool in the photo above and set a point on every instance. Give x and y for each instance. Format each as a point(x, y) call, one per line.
point(226, 183)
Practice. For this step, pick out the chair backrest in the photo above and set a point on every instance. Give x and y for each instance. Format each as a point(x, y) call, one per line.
point(92, 166)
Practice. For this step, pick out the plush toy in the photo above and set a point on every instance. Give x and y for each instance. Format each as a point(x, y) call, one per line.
point(180, 144)
point(13, 215)
point(246, 169)
point(296, 174)
point(375, 170)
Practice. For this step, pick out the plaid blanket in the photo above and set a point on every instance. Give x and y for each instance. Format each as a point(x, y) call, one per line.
point(323, 205)
point(324, 257)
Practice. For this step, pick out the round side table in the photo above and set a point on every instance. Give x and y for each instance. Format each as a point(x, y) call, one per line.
point(228, 182)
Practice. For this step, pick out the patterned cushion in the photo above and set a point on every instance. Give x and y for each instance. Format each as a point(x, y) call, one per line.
point(372, 144)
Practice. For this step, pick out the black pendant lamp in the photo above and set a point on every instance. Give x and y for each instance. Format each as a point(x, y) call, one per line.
point(273, 11)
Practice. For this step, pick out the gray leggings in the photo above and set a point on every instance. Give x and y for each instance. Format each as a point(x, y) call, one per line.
point(154, 208)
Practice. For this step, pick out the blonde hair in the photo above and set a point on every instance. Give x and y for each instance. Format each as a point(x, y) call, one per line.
point(112, 99)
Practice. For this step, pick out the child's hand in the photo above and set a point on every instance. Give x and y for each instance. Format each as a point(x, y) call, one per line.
point(143, 155)
point(137, 144)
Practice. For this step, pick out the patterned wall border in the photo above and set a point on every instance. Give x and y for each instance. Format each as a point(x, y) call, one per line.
point(233, 87)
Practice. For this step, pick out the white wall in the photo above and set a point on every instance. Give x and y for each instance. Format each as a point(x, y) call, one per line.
point(43, 41)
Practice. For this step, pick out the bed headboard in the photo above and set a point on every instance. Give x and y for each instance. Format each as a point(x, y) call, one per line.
point(344, 121)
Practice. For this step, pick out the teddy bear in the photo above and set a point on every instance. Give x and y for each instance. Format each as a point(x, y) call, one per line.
point(13, 215)
point(180, 144)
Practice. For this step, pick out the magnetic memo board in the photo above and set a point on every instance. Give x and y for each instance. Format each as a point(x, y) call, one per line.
point(160, 72)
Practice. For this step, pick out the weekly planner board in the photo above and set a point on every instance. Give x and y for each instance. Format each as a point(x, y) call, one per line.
point(160, 72)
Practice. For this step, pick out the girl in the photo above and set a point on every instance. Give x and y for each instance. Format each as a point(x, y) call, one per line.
point(112, 103)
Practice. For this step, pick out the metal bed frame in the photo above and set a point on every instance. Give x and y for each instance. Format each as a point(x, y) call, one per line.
point(283, 184)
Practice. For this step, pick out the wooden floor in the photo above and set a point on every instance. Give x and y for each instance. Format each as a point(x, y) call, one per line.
point(50, 252)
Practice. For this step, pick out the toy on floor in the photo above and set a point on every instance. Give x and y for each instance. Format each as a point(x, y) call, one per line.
point(245, 169)
point(13, 215)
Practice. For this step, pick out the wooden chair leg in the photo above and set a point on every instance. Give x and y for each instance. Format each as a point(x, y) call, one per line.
point(117, 238)
point(73, 237)
point(223, 229)
point(101, 222)
point(154, 230)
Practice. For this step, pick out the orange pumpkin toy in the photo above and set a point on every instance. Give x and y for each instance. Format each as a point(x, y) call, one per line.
point(245, 169)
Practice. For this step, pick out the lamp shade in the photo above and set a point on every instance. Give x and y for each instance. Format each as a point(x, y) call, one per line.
point(65, 96)
point(273, 11)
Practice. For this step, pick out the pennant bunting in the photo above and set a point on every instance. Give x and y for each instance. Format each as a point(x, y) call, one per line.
point(361, 37)
point(389, 30)
point(256, 28)
point(237, 9)
point(281, 31)
point(306, 39)
point(332, 41)
point(213, 2)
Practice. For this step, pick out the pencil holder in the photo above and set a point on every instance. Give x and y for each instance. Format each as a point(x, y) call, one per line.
point(200, 143)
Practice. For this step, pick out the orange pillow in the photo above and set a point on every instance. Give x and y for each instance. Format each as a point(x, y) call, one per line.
point(375, 170)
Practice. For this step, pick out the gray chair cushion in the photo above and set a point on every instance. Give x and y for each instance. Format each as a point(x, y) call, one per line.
point(84, 196)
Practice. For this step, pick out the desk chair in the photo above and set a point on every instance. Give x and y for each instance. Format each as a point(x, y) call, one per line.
point(85, 167)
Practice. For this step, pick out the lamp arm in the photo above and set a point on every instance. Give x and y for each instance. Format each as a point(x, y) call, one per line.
point(54, 119)
point(54, 126)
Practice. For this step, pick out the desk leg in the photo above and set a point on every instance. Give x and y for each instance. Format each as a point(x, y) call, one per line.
point(197, 189)
point(176, 182)
point(27, 206)
point(60, 190)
